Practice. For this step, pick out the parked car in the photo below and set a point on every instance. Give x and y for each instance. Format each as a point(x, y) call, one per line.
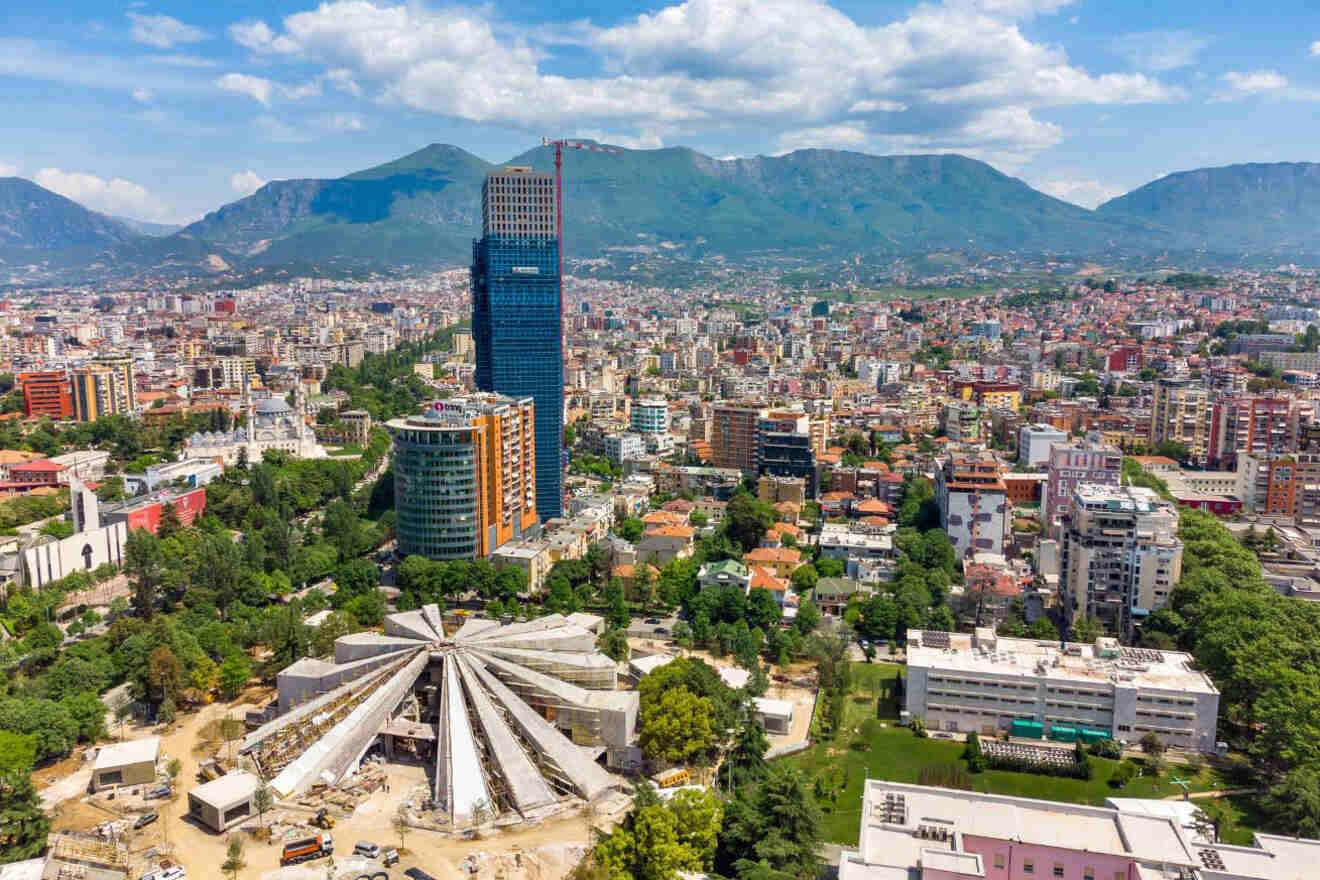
point(661, 631)
point(417, 874)
point(175, 873)
point(366, 848)
point(652, 620)
point(159, 792)
point(145, 819)
point(389, 857)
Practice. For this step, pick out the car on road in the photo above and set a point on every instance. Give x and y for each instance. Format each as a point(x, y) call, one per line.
point(160, 792)
point(389, 857)
point(652, 620)
point(145, 819)
point(366, 848)
point(661, 631)
point(417, 874)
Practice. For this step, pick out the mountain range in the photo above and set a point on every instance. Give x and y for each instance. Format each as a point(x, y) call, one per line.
point(423, 210)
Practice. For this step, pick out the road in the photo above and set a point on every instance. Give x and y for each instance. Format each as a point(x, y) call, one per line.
point(639, 627)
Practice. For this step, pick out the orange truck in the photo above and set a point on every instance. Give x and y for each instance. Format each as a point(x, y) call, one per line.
point(307, 849)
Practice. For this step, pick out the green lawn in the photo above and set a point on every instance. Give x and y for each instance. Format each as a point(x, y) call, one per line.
point(895, 753)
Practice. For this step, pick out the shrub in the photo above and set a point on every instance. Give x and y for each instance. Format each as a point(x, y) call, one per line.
point(1122, 774)
point(975, 756)
point(1107, 748)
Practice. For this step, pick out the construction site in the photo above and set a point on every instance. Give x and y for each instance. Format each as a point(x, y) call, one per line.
point(512, 723)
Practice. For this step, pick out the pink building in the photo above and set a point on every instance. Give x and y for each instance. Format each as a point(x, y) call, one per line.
point(911, 831)
point(1070, 466)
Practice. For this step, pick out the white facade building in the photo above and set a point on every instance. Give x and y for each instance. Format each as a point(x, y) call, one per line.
point(1034, 442)
point(984, 683)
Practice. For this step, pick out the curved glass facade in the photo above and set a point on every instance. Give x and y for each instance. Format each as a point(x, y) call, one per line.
point(435, 492)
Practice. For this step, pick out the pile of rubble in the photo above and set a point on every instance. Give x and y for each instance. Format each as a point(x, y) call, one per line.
point(552, 862)
point(348, 794)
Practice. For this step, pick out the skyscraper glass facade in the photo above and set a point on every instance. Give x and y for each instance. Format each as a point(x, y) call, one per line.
point(517, 332)
point(435, 489)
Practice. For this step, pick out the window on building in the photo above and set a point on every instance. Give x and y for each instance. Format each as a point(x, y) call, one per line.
point(1058, 869)
point(999, 860)
point(1088, 873)
point(1028, 867)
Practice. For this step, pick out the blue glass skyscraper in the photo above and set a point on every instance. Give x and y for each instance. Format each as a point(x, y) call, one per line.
point(517, 320)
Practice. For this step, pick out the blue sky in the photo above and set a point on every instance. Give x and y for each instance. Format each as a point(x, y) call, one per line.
point(164, 111)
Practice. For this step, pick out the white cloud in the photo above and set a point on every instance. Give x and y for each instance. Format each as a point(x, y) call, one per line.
point(143, 96)
point(1254, 82)
point(1161, 50)
point(162, 31)
point(344, 122)
point(245, 182)
point(8, 170)
point(114, 196)
point(957, 75)
point(255, 87)
point(1088, 193)
point(1315, 48)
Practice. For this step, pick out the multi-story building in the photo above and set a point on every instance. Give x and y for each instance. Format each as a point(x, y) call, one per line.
point(733, 435)
point(623, 447)
point(650, 415)
point(993, 685)
point(47, 393)
point(1070, 466)
point(517, 317)
point(1254, 424)
point(973, 503)
point(464, 476)
point(1124, 359)
point(1035, 442)
point(783, 448)
point(1253, 344)
point(961, 421)
point(912, 831)
point(1120, 554)
point(1180, 413)
point(1309, 361)
point(99, 391)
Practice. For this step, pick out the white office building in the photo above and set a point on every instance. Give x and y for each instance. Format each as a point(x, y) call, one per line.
point(984, 683)
point(1034, 442)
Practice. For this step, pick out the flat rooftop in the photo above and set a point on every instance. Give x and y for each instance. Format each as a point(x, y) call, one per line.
point(136, 751)
point(1027, 658)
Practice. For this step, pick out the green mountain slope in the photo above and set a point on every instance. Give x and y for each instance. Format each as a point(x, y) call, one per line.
point(425, 208)
point(1273, 208)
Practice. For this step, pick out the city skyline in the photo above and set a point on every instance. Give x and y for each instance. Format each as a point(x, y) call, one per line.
point(137, 114)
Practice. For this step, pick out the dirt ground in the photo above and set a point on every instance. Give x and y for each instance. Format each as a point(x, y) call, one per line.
point(543, 852)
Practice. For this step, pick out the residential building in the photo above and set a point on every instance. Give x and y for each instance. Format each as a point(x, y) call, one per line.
point(650, 415)
point(1120, 555)
point(973, 503)
point(725, 573)
point(1069, 466)
point(1255, 424)
point(1254, 344)
point(623, 447)
point(1180, 413)
point(464, 476)
point(783, 448)
point(1034, 443)
point(517, 316)
point(99, 391)
point(357, 426)
point(831, 595)
point(961, 421)
point(773, 490)
point(46, 393)
point(984, 683)
point(733, 435)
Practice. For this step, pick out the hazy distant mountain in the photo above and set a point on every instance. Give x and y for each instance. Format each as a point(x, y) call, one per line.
point(37, 221)
point(424, 208)
point(1236, 209)
point(146, 227)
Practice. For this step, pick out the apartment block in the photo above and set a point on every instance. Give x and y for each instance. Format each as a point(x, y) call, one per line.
point(733, 435)
point(1120, 554)
point(1070, 466)
point(1180, 413)
point(47, 393)
point(973, 503)
point(985, 683)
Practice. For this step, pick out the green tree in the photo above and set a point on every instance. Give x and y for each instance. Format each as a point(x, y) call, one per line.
point(630, 529)
point(1043, 628)
point(676, 727)
point(233, 862)
point(808, 617)
point(142, 563)
point(234, 674)
point(1152, 745)
point(1294, 804)
point(18, 752)
point(52, 727)
point(614, 644)
point(762, 609)
point(804, 579)
point(776, 825)
point(746, 520)
point(24, 825)
point(1085, 630)
point(88, 712)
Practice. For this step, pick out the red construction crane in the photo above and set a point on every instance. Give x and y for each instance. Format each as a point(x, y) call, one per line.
point(560, 146)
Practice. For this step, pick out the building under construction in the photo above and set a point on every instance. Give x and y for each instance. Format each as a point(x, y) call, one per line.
point(514, 720)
